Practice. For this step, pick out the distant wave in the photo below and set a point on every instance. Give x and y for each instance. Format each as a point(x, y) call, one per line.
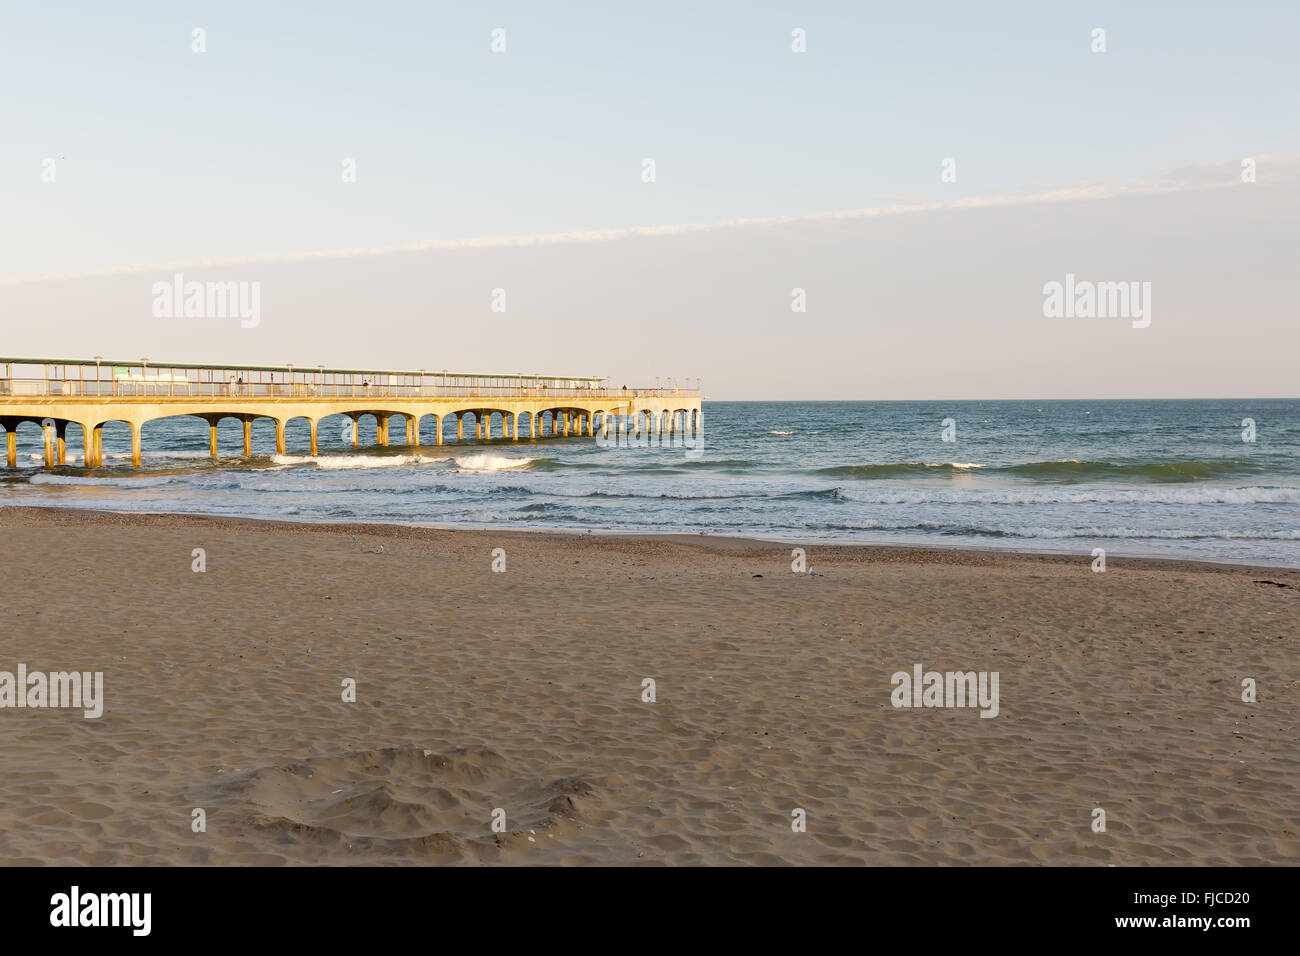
point(335, 462)
point(1063, 470)
point(721, 464)
point(123, 481)
point(974, 496)
point(487, 461)
point(1154, 534)
point(1049, 496)
point(1043, 533)
point(898, 469)
point(1188, 470)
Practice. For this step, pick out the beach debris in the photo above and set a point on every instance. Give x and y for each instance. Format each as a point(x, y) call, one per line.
point(816, 574)
point(1277, 584)
point(758, 575)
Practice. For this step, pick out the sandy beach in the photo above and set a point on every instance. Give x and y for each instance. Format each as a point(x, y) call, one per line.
point(523, 690)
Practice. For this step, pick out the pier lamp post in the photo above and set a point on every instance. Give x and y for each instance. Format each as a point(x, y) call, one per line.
point(98, 359)
point(144, 376)
point(289, 379)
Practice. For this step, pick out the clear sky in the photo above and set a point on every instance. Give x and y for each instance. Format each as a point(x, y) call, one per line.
point(165, 156)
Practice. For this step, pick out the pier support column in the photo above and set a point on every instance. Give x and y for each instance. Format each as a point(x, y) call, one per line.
point(487, 426)
point(61, 439)
point(212, 439)
point(48, 431)
point(313, 423)
point(438, 428)
point(535, 425)
point(248, 438)
point(460, 426)
point(99, 446)
point(514, 427)
point(699, 414)
point(279, 437)
point(87, 446)
point(356, 430)
point(604, 425)
point(135, 445)
point(591, 424)
point(381, 421)
point(412, 431)
point(11, 447)
point(565, 422)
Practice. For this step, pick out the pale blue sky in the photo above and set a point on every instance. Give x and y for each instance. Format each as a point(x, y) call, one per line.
point(174, 156)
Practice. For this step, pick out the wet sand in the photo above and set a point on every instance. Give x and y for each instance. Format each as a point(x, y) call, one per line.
point(523, 691)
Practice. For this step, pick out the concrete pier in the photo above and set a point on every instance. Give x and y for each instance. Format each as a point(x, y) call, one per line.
point(57, 393)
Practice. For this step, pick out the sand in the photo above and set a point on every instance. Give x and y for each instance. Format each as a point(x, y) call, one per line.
point(522, 691)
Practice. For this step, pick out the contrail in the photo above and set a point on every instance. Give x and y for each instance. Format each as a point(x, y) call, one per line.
point(1071, 194)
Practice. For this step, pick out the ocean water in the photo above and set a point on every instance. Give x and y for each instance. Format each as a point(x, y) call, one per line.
point(1165, 478)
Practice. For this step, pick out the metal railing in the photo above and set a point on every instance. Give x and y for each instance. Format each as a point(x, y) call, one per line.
point(85, 379)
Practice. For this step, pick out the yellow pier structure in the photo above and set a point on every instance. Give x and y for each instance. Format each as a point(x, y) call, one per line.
point(58, 393)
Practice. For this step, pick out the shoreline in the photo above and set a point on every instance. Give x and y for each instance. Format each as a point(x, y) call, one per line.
point(725, 543)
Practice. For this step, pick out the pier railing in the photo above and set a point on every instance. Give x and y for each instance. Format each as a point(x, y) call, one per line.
point(68, 378)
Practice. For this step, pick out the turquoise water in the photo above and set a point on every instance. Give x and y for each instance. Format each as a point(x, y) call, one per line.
point(1170, 478)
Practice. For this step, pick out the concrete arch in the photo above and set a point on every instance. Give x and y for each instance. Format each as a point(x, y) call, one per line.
point(483, 421)
point(569, 421)
point(382, 418)
point(53, 437)
point(437, 426)
point(96, 427)
point(282, 433)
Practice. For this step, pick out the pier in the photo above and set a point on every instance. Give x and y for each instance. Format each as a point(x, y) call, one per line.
point(57, 394)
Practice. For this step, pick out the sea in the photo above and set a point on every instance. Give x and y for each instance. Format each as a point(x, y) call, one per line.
point(1207, 480)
